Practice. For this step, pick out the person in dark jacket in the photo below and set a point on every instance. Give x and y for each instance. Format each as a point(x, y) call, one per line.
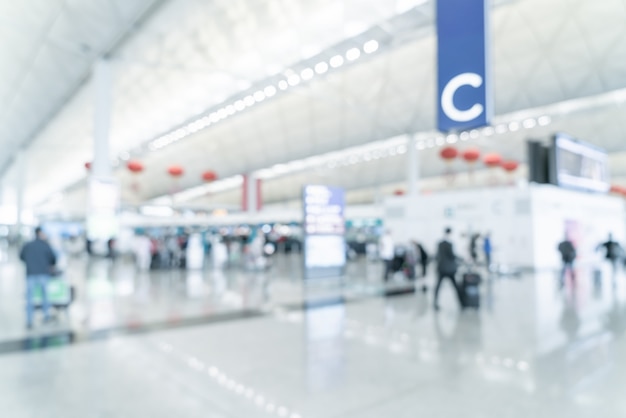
point(39, 259)
point(612, 251)
point(568, 255)
point(446, 266)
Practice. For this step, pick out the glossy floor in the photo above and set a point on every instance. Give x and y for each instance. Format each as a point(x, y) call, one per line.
point(531, 350)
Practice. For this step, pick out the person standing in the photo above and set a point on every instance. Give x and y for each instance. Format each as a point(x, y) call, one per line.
point(39, 259)
point(422, 256)
point(473, 248)
point(612, 251)
point(386, 252)
point(143, 251)
point(487, 250)
point(446, 266)
point(568, 255)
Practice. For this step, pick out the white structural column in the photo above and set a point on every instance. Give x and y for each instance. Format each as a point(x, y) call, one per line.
point(412, 165)
point(103, 197)
point(103, 86)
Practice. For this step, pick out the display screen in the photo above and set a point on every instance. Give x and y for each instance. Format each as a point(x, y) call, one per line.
point(324, 228)
point(580, 165)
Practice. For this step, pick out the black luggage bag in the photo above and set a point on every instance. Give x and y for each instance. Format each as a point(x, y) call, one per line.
point(470, 289)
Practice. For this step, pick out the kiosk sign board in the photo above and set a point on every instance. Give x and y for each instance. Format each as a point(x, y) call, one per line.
point(324, 230)
point(463, 65)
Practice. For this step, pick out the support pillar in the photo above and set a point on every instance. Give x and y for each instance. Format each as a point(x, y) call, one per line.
point(104, 194)
point(251, 201)
point(103, 86)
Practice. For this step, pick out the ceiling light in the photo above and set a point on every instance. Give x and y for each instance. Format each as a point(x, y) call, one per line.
point(259, 96)
point(488, 131)
point(440, 140)
point(240, 105)
point(370, 46)
point(248, 100)
point(294, 80)
point(501, 128)
point(514, 126)
point(230, 110)
point(474, 134)
point(451, 139)
point(336, 61)
point(269, 91)
point(283, 85)
point(307, 74)
point(464, 136)
point(321, 67)
point(213, 117)
point(529, 123)
point(544, 120)
point(222, 113)
point(353, 54)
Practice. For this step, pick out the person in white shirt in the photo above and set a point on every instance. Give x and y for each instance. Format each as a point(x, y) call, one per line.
point(386, 252)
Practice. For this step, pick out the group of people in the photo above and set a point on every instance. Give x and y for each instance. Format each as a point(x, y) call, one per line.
point(447, 261)
point(165, 252)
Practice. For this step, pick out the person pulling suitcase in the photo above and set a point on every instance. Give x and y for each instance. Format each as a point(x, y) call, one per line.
point(447, 266)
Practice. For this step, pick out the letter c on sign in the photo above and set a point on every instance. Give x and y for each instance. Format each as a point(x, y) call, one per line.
point(447, 98)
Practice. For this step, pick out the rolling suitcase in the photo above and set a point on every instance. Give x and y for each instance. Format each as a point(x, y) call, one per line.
point(470, 289)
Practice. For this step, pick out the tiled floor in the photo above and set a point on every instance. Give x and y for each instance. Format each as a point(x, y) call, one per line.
point(532, 350)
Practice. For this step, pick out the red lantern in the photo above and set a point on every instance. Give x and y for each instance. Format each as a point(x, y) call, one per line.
point(209, 176)
point(134, 166)
point(398, 192)
point(509, 166)
point(618, 189)
point(88, 166)
point(471, 155)
point(449, 153)
point(492, 160)
point(175, 171)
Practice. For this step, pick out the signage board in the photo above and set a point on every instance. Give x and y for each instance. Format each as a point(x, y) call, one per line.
point(463, 65)
point(324, 230)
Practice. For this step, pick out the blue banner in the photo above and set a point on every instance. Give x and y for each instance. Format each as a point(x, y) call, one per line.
point(463, 75)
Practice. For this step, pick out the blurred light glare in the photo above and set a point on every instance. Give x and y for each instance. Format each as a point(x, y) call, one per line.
point(269, 91)
point(294, 80)
point(240, 105)
point(307, 74)
point(248, 100)
point(321, 67)
point(283, 85)
point(544, 121)
point(336, 61)
point(353, 54)
point(529, 123)
point(370, 46)
point(259, 96)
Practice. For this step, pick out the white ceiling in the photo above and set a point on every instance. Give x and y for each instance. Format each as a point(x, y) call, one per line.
point(192, 57)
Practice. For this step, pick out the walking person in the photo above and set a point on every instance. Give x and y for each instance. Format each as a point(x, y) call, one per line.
point(568, 255)
point(39, 259)
point(386, 252)
point(446, 266)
